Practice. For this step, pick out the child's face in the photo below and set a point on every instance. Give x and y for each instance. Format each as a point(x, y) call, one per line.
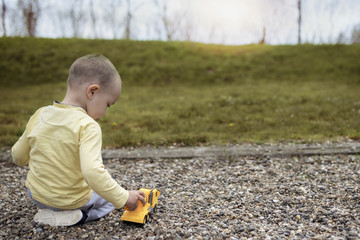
point(104, 98)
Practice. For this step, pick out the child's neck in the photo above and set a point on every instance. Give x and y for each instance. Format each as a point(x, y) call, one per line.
point(73, 101)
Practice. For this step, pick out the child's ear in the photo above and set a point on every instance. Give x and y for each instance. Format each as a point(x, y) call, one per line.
point(91, 90)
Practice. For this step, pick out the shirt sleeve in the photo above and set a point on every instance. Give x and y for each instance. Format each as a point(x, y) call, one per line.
point(93, 170)
point(21, 150)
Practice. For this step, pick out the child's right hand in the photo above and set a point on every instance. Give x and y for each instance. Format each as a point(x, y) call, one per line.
point(132, 201)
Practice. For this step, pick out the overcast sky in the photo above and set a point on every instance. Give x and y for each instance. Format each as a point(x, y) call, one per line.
point(232, 22)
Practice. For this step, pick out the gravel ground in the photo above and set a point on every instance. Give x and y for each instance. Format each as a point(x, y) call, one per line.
point(314, 197)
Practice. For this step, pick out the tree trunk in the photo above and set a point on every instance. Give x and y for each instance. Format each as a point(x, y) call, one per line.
point(3, 17)
point(262, 41)
point(31, 13)
point(93, 18)
point(299, 22)
point(128, 21)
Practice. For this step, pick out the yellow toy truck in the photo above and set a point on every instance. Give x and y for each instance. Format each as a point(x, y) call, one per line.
point(142, 213)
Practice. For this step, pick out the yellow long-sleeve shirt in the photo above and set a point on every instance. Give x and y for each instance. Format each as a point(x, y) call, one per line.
point(62, 145)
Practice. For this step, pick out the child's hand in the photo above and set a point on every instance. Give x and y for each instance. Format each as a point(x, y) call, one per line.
point(132, 201)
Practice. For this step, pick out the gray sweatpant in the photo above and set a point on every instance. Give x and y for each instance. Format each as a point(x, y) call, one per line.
point(95, 208)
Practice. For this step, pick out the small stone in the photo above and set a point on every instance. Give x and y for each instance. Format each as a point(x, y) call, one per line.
point(251, 228)
point(353, 233)
point(241, 229)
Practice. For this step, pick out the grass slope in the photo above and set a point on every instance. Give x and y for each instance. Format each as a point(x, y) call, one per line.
point(191, 93)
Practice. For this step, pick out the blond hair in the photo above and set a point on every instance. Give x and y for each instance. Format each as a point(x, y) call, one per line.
point(92, 67)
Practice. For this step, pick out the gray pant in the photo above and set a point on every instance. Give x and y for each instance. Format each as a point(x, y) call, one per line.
point(95, 208)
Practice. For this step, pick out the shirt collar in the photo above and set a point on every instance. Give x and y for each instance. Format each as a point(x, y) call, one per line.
point(68, 106)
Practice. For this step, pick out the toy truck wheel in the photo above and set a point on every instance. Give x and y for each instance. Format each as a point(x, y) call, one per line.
point(146, 218)
point(155, 208)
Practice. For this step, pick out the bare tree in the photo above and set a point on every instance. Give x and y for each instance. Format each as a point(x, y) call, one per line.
point(355, 35)
point(162, 5)
point(341, 38)
point(262, 41)
point(128, 20)
point(168, 24)
point(31, 12)
point(76, 16)
point(3, 12)
point(272, 13)
point(177, 25)
point(187, 31)
point(299, 22)
point(111, 17)
point(335, 8)
point(130, 12)
point(93, 18)
point(60, 21)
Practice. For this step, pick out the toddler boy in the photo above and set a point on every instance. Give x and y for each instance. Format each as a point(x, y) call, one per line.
point(62, 145)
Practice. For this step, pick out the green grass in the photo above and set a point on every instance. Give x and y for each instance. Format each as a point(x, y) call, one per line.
point(191, 93)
